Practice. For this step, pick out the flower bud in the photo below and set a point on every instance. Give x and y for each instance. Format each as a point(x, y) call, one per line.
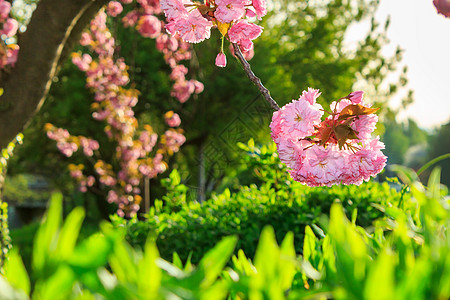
point(221, 60)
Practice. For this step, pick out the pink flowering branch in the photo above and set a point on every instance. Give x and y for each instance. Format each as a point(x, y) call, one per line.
point(253, 78)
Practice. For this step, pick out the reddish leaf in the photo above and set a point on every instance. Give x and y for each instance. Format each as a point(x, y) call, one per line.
point(353, 110)
point(344, 132)
point(324, 134)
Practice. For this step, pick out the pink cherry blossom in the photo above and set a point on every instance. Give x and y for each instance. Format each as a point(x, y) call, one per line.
point(324, 165)
point(193, 28)
point(291, 152)
point(86, 39)
point(221, 60)
point(366, 162)
point(365, 125)
point(89, 146)
point(242, 32)
point(229, 10)
point(250, 13)
point(311, 95)
point(248, 55)
point(260, 8)
point(114, 8)
point(300, 116)
point(10, 27)
point(182, 90)
point(150, 6)
point(149, 26)
point(355, 97)
point(315, 153)
point(174, 8)
point(5, 8)
point(82, 62)
point(172, 119)
point(178, 73)
point(11, 54)
point(130, 19)
point(199, 87)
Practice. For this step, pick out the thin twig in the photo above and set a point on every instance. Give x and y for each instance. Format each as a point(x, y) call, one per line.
point(256, 81)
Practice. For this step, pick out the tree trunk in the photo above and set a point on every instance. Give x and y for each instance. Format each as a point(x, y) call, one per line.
point(55, 26)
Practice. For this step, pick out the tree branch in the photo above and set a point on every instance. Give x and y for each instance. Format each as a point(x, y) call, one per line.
point(54, 28)
point(256, 81)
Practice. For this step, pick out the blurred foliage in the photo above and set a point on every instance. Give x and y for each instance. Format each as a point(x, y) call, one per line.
point(5, 239)
point(439, 145)
point(305, 47)
point(405, 256)
point(25, 188)
point(406, 143)
point(272, 199)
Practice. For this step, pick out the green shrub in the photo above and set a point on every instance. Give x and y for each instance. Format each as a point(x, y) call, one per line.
point(278, 201)
point(406, 256)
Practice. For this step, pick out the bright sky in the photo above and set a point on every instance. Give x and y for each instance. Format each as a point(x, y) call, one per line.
point(425, 37)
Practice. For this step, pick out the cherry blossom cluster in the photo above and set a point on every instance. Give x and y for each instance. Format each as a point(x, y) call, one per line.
point(107, 77)
point(145, 19)
point(192, 21)
point(68, 144)
point(337, 150)
point(9, 27)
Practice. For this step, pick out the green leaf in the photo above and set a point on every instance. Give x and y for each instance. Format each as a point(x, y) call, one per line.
point(380, 281)
point(149, 274)
point(309, 244)
point(251, 143)
point(7, 292)
point(47, 235)
point(92, 253)
point(176, 261)
point(215, 260)
point(58, 286)
point(408, 176)
point(288, 261)
point(69, 233)
point(122, 263)
point(175, 177)
point(16, 273)
point(267, 263)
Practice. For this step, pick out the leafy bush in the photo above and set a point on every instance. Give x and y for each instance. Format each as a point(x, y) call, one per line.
point(405, 257)
point(278, 201)
point(26, 188)
point(104, 267)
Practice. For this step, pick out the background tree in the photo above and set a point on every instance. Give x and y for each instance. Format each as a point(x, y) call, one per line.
point(304, 48)
point(54, 28)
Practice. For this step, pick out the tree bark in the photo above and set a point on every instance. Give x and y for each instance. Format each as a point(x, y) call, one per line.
point(55, 26)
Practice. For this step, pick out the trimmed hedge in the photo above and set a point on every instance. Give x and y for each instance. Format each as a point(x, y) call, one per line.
point(264, 194)
point(197, 228)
